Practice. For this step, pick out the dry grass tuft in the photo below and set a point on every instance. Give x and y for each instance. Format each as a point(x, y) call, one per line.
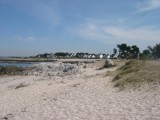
point(21, 85)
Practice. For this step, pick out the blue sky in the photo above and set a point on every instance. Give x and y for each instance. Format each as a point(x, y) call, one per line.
point(29, 27)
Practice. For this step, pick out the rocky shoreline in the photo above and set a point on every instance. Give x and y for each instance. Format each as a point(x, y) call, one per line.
point(59, 68)
point(53, 69)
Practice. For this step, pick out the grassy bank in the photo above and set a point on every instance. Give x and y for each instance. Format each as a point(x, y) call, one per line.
point(135, 73)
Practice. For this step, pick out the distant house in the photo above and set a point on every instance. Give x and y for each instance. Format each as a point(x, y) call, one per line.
point(68, 55)
point(104, 56)
point(42, 55)
point(38, 56)
point(100, 56)
point(61, 54)
point(45, 55)
point(93, 56)
point(85, 55)
point(89, 55)
point(115, 56)
point(81, 55)
point(51, 55)
point(108, 56)
point(72, 55)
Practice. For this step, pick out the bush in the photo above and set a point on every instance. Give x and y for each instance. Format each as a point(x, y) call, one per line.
point(11, 70)
point(109, 64)
point(84, 66)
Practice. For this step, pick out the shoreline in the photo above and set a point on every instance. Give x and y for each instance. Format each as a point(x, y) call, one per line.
point(7, 60)
point(25, 60)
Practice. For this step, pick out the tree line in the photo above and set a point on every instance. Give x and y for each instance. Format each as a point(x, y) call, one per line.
point(133, 52)
point(123, 51)
point(151, 52)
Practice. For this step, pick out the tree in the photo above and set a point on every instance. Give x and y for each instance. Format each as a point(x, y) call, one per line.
point(114, 53)
point(151, 52)
point(126, 51)
point(61, 54)
point(81, 54)
point(146, 54)
point(150, 49)
point(123, 50)
point(156, 51)
point(134, 51)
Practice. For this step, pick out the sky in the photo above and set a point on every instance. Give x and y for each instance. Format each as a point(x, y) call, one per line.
point(30, 27)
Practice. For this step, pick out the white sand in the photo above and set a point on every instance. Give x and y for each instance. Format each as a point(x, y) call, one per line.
point(86, 96)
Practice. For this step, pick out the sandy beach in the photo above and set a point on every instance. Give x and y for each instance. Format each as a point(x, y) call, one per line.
point(88, 95)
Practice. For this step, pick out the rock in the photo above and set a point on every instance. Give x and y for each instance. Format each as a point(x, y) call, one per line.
point(51, 69)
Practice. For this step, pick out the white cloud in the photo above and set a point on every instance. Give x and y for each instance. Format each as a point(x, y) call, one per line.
point(141, 33)
point(30, 39)
point(121, 20)
point(90, 31)
point(27, 39)
point(148, 6)
point(115, 35)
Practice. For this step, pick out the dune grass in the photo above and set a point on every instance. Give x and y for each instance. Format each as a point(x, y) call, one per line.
point(20, 85)
point(136, 72)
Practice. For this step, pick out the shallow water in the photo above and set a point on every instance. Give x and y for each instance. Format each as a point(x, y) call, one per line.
point(17, 64)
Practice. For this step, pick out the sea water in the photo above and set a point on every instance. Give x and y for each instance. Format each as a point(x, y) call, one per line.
point(17, 64)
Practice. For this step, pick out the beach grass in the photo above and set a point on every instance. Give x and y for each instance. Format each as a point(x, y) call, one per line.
point(136, 72)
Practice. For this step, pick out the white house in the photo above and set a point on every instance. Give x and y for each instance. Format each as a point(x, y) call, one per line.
point(51, 55)
point(93, 56)
point(72, 54)
point(108, 56)
point(100, 56)
point(85, 56)
point(115, 57)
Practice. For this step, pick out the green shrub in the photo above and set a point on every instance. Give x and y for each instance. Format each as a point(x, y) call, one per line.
point(108, 64)
point(11, 70)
